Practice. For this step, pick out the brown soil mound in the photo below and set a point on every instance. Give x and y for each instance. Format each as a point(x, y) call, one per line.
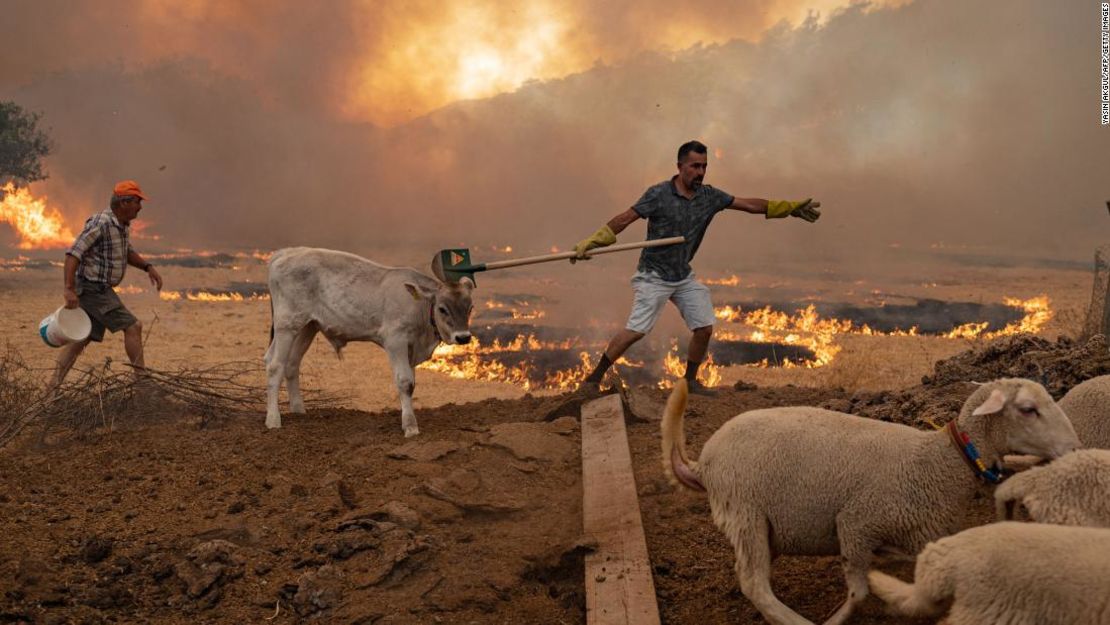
point(1058, 366)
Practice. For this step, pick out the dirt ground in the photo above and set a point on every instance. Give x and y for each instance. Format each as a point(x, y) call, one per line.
point(337, 518)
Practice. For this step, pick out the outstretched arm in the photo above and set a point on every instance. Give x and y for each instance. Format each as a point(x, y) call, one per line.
point(755, 205)
point(622, 221)
point(805, 209)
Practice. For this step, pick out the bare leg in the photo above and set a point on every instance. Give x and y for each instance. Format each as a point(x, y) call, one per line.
point(66, 358)
point(276, 358)
point(133, 345)
point(621, 342)
point(293, 367)
point(753, 568)
point(699, 344)
point(405, 379)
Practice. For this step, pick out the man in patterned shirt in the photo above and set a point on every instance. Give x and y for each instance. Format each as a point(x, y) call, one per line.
point(681, 206)
point(95, 265)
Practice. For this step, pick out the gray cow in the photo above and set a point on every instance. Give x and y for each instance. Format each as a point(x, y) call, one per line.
point(349, 298)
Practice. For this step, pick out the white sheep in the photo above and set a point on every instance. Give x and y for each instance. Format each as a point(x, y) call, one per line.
point(1088, 406)
point(1072, 490)
point(1012, 573)
point(808, 481)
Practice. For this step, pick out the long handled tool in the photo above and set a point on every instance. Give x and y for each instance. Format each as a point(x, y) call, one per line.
point(451, 265)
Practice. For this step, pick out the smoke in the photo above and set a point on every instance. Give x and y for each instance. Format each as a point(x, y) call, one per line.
point(962, 123)
point(381, 61)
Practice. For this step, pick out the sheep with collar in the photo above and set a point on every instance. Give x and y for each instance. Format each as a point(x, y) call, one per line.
point(1072, 490)
point(1088, 406)
point(808, 481)
point(1013, 573)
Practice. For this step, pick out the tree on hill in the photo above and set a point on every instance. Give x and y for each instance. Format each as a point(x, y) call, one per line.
point(23, 144)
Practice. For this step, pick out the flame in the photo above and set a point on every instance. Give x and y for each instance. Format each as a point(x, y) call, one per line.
point(467, 362)
point(22, 263)
point(709, 373)
point(733, 280)
point(19, 263)
point(472, 362)
point(807, 329)
point(38, 226)
point(1038, 312)
point(516, 313)
point(206, 296)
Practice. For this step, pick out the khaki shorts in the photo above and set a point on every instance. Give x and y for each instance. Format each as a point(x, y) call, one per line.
point(652, 294)
point(104, 309)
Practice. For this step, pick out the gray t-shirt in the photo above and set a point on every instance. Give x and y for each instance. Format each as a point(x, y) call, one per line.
point(669, 214)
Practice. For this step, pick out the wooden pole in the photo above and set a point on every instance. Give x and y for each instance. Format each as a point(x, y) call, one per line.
point(546, 258)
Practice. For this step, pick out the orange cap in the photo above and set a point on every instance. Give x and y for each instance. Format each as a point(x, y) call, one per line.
point(128, 187)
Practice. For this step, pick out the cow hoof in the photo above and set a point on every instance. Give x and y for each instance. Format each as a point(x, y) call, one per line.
point(410, 432)
point(273, 423)
point(297, 409)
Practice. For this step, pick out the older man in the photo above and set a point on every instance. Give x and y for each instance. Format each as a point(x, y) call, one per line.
point(95, 265)
point(681, 206)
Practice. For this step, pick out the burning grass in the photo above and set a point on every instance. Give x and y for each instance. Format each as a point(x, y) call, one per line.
point(515, 307)
point(807, 328)
point(21, 263)
point(544, 358)
point(236, 292)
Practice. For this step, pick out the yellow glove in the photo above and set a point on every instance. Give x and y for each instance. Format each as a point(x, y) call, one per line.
point(604, 236)
point(806, 209)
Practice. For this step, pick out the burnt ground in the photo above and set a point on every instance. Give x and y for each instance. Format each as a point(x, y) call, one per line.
point(337, 518)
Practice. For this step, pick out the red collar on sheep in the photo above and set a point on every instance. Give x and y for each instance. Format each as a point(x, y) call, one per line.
point(971, 455)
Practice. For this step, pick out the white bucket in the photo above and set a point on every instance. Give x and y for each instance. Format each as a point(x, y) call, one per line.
point(64, 326)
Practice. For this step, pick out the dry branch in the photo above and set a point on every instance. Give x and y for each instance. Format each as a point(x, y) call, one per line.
point(100, 397)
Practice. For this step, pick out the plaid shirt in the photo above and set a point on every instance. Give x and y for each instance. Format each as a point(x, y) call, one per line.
point(102, 249)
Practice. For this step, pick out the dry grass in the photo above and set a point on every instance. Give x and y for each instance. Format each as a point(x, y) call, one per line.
point(101, 397)
point(866, 363)
point(19, 390)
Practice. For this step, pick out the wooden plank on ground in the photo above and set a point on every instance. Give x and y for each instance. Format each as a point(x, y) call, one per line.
point(619, 587)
